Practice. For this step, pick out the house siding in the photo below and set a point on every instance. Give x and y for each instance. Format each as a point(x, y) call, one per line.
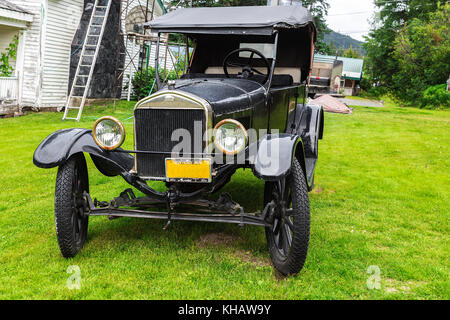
point(31, 72)
point(62, 20)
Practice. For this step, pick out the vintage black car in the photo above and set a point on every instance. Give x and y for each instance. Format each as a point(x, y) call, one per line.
point(240, 104)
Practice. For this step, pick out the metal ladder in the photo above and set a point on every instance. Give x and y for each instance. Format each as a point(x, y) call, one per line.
point(88, 59)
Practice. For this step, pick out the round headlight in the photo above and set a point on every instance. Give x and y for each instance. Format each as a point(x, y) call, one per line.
point(230, 136)
point(108, 133)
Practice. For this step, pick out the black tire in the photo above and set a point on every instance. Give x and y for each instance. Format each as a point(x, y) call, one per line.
point(71, 223)
point(288, 238)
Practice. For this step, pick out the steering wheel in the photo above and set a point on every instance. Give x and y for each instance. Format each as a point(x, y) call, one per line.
point(248, 69)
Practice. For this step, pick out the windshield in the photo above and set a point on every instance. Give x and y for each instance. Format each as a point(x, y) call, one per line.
point(267, 49)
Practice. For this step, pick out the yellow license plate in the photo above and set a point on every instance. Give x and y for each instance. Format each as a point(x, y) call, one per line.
point(188, 169)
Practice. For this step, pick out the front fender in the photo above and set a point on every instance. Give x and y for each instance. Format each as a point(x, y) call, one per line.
point(275, 156)
point(59, 146)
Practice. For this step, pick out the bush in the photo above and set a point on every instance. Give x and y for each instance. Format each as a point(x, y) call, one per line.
point(144, 83)
point(366, 83)
point(7, 59)
point(371, 89)
point(372, 92)
point(436, 97)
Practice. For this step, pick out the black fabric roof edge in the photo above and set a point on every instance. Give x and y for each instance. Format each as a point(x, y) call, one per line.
point(233, 20)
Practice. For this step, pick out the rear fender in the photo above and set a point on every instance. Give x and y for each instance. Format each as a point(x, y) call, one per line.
point(308, 123)
point(59, 146)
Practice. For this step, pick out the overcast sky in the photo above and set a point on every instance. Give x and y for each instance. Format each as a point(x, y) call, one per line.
point(350, 17)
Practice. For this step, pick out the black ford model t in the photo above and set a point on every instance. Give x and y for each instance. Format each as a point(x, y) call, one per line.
point(241, 104)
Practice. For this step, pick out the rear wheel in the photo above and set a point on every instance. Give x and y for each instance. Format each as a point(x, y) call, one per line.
point(70, 219)
point(288, 237)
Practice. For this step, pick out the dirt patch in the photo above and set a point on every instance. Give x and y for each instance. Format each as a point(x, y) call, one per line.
point(405, 288)
point(249, 258)
point(317, 190)
point(320, 190)
point(223, 239)
point(391, 290)
point(395, 286)
point(217, 239)
point(382, 248)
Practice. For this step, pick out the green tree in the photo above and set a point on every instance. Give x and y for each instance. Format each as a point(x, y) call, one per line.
point(319, 10)
point(380, 64)
point(332, 46)
point(324, 48)
point(422, 54)
point(352, 53)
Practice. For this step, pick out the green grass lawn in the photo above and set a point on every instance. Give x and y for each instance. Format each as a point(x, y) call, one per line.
point(381, 199)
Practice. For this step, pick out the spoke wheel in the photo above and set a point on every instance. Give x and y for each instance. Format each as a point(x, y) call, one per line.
point(288, 236)
point(71, 222)
point(283, 227)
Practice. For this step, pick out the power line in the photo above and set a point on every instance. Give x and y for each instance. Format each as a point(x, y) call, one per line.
point(375, 11)
point(354, 32)
point(348, 14)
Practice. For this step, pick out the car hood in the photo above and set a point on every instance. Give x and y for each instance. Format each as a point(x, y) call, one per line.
point(224, 95)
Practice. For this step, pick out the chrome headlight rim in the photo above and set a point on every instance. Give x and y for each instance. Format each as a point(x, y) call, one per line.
point(121, 127)
point(238, 125)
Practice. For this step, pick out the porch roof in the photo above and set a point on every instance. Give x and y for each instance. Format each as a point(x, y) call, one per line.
point(13, 15)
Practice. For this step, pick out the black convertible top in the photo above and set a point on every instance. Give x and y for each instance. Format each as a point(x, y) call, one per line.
point(254, 20)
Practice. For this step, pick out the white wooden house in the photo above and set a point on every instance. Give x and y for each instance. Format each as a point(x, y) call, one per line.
point(13, 19)
point(46, 31)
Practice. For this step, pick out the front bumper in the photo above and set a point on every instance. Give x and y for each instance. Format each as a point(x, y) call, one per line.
point(223, 210)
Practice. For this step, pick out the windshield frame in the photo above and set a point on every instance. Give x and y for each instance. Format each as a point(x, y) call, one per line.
point(266, 85)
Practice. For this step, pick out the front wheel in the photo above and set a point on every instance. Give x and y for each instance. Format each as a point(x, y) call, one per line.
point(288, 237)
point(70, 219)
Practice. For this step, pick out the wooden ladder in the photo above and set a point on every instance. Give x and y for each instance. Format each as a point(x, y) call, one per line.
point(88, 58)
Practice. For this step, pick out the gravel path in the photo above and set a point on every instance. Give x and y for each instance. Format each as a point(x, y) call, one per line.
point(364, 103)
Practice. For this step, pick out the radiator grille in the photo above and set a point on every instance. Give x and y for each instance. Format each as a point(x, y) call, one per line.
point(154, 128)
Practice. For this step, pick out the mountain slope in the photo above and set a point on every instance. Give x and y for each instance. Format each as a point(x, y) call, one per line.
point(342, 41)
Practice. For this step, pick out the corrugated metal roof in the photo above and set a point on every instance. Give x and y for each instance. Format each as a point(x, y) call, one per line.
point(352, 68)
point(323, 59)
point(11, 6)
point(352, 65)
